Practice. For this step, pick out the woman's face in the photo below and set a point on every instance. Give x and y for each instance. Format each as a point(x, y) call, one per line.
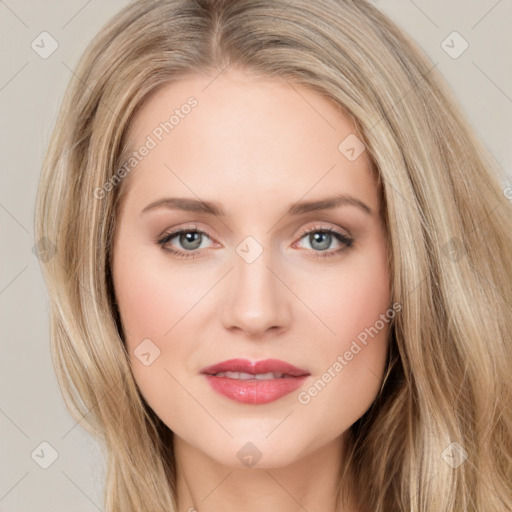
point(264, 171)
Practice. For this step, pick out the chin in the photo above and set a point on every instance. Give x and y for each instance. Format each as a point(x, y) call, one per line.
point(244, 453)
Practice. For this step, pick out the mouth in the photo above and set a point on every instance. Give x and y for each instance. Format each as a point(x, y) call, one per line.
point(254, 382)
point(249, 376)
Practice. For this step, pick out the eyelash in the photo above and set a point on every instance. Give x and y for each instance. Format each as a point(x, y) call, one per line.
point(343, 239)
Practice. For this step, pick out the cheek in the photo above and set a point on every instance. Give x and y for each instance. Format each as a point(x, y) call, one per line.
point(357, 307)
point(152, 295)
point(352, 296)
point(152, 298)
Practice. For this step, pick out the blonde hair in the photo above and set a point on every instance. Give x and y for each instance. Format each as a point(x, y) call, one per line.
point(447, 217)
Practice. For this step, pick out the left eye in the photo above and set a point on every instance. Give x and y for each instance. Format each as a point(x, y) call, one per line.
point(322, 239)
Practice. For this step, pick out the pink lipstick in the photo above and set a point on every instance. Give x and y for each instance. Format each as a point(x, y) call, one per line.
point(257, 382)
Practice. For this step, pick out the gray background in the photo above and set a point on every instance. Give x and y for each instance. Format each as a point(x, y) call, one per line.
point(31, 88)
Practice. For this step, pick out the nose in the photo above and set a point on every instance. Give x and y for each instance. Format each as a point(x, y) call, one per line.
point(256, 301)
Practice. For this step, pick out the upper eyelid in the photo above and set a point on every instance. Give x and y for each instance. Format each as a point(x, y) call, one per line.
point(319, 227)
point(185, 229)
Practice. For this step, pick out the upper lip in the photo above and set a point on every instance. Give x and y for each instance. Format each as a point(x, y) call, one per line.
point(255, 367)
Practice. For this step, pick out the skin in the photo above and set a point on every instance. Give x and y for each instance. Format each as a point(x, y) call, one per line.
point(256, 146)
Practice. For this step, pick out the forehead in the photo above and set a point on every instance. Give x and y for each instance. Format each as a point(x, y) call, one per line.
point(237, 136)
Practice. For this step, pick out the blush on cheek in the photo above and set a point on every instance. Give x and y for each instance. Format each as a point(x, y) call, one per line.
point(139, 283)
point(157, 303)
point(358, 307)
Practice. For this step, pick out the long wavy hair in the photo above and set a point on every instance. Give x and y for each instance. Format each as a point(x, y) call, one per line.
point(447, 389)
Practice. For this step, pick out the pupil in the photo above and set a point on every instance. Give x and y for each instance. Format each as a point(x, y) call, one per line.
point(316, 238)
point(188, 238)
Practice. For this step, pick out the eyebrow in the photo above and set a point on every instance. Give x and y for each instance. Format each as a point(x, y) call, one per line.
point(214, 208)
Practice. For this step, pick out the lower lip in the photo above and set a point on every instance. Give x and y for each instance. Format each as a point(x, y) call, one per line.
point(255, 391)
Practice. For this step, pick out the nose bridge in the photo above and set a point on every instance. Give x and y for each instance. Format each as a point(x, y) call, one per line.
point(257, 299)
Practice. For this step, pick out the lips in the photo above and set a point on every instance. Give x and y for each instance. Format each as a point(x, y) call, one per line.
point(254, 382)
point(256, 368)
